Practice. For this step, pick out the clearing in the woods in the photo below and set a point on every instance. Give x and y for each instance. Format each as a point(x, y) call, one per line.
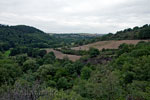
point(112, 44)
point(60, 55)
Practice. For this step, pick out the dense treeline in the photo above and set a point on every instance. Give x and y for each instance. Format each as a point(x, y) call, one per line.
point(129, 34)
point(12, 36)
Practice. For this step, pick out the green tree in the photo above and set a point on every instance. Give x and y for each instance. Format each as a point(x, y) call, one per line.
point(70, 68)
point(46, 72)
point(42, 53)
point(139, 90)
point(145, 33)
point(49, 58)
point(30, 65)
point(62, 83)
point(93, 52)
point(86, 72)
point(9, 71)
point(20, 59)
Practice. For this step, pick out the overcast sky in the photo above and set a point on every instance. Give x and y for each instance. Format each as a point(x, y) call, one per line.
point(92, 16)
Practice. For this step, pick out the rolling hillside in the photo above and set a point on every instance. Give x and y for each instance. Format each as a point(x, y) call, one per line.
point(135, 33)
point(112, 44)
point(22, 35)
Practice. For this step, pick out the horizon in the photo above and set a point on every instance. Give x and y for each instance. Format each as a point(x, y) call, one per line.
point(73, 32)
point(76, 16)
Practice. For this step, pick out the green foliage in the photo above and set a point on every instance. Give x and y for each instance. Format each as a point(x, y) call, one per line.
point(145, 32)
point(40, 75)
point(70, 68)
point(75, 39)
point(30, 65)
point(100, 87)
point(49, 58)
point(133, 68)
point(21, 35)
point(78, 66)
point(86, 72)
point(7, 53)
point(72, 52)
point(139, 90)
point(93, 52)
point(46, 72)
point(14, 36)
point(42, 53)
point(54, 94)
point(20, 59)
point(125, 48)
point(9, 71)
point(128, 34)
point(62, 83)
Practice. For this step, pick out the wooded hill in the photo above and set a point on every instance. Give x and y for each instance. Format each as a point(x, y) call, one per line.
point(22, 35)
point(129, 34)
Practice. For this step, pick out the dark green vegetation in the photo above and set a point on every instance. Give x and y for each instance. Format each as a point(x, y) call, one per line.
point(129, 34)
point(29, 73)
point(21, 35)
point(92, 51)
point(77, 39)
point(67, 50)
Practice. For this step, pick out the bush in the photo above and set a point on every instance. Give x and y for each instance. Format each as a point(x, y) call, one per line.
point(93, 52)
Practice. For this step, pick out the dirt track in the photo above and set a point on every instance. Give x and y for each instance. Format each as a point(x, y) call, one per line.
point(107, 44)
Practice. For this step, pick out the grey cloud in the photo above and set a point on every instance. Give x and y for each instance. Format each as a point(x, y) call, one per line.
point(93, 16)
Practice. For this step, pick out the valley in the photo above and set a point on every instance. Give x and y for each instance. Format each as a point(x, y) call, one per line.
point(35, 64)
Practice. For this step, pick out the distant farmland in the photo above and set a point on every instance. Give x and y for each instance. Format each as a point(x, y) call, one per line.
point(113, 44)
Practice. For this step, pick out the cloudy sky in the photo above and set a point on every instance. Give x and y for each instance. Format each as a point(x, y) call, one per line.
point(92, 16)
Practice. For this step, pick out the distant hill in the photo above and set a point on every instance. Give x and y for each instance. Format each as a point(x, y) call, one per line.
point(129, 34)
point(77, 39)
point(22, 35)
point(26, 29)
point(136, 33)
point(22, 28)
point(11, 36)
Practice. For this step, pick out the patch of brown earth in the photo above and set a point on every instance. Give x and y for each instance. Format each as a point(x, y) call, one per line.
point(113, 44)
point(60, 55)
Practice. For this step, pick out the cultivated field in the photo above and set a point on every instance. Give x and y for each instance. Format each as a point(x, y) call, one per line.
point(113, 44)
point(60, 55)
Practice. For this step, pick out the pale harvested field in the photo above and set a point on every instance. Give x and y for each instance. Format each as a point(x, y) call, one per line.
point(60, 55)
point(113, 44)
